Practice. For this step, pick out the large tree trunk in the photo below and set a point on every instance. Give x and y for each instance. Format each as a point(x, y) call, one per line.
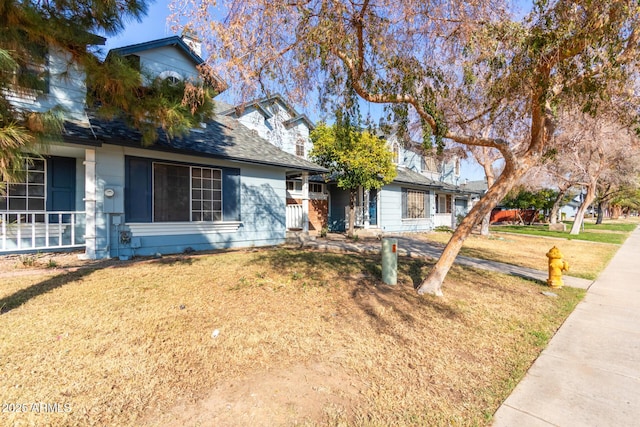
point(616, 211)
point(353, 198)
point(432, 284)
point(486, 221)
point(600, 212)
point(484, 226)
point(553, 215)
point(588, 199)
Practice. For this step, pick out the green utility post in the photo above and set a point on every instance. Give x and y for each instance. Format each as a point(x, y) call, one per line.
point(389, 260)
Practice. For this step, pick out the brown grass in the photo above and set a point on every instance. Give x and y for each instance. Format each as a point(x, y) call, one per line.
point(586, 259)
point(304, 339)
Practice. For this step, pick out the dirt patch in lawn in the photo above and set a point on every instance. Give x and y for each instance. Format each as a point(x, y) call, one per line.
point(275, 397)
point(267, 337)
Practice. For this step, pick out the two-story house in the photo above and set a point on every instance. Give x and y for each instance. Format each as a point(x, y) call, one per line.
point(275, 120)
point(425, 194)
point(99, 188)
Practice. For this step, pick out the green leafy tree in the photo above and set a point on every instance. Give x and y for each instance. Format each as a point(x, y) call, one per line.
point(30, 30)
point(354, 159)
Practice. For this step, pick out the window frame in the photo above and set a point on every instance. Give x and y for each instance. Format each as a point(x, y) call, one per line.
point(300, 147)
point(409, 212)
point(190, 192)
point(317, 185)
point(395, 153)
point(294, 186)
point(5, 199)
point(138, 191)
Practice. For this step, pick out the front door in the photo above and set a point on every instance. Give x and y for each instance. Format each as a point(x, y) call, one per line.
point(373, 207)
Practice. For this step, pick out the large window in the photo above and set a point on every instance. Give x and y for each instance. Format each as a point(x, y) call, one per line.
point(415, 204)
point(162, 191)
point(28, 195)
point(186, 193)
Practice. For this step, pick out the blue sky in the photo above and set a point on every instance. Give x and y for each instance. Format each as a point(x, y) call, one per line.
point(154, 26)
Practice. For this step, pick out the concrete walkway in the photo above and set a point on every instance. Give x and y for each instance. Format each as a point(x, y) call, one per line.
point(589, 375)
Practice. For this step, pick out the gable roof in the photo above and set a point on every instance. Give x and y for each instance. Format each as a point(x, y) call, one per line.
point(175, 41)
point(408, 176)
point(223, 138)
point(260, 104)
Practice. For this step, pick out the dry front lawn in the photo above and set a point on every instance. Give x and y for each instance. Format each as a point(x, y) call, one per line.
point(586, 259)
point(270, 337)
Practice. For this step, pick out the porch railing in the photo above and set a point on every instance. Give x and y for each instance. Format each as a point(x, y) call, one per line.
point(442, 219)
point(360, 215)
point(295, 217)
point(24, 231)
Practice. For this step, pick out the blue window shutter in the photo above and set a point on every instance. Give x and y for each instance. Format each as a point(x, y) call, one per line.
point(61, 184)
point(137, 193)
point(404, 203)
point(230, 194)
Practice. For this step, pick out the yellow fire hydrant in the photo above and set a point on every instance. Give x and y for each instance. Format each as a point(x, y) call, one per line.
point(556, 266)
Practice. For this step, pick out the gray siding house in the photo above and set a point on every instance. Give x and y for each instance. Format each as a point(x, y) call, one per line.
point(100, 189)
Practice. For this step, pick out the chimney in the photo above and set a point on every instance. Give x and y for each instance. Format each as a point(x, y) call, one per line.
point(191, 39)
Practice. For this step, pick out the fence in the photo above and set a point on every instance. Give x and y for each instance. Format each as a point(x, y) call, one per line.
point(295, 217)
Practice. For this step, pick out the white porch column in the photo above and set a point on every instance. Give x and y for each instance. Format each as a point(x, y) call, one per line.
point(90, 203)
point(305, 202)
point(453, 212)
point(365, 209)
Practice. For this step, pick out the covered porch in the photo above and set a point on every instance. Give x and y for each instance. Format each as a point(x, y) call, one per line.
point(47, 209)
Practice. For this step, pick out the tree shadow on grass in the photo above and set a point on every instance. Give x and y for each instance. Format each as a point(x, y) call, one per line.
point(22, 296)
point(309, 262)
point(369, 294)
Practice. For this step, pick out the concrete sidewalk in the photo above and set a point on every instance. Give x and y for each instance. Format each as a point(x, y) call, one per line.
point(589, 375)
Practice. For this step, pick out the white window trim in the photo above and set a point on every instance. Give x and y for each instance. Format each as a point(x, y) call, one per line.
point(143, 229)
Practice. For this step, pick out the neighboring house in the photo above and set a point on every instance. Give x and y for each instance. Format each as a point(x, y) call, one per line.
point(424, 195)
point(570, 209)
point(275, 120)
point(100, 189)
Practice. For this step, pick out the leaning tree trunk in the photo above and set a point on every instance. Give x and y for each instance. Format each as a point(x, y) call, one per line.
point(432, 284)
point(486, 221)
point(588, 199)
point(553, 215)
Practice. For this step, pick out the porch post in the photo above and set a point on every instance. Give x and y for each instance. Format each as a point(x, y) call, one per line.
point(365, 210)
point(90, 203)
point(453, 212)
point(305, 202)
